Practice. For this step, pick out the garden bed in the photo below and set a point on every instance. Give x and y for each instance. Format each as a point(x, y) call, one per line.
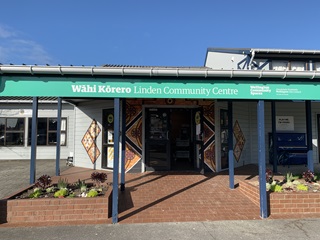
point(286, 202)
point(56, 204)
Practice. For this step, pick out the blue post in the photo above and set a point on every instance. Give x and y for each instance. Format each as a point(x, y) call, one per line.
point(58, 137)
point(230, 145)
point(123, 145)
point(115, 190)
point(309, 135)
point(34, 140)
point(274, 137)
point(262, 160)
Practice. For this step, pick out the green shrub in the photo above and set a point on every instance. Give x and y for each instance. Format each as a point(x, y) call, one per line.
point(50, 189)
point(61, 193)
point(72, 195)
point(276, 188)
point(316, 176)
point(62, 183)
point(81, 185)
point(302, 187)
point(36, 193)
point(92, 193)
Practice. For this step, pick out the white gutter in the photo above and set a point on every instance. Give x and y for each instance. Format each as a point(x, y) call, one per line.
point(289, 51)
point(153, 72)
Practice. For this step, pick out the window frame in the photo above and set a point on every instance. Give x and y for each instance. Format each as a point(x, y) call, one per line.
point(6, 131)
point(304, 64)
point(63, 132)
point(275, 67)
point(316, 66)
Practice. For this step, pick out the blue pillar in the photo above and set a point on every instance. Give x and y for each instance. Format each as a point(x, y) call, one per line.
point(58, 137)
point(115, 187)
point(123, 145)
point(262, 160)
point(309, 135)
point(274, 137)
point(230, 145)
point(34, 140)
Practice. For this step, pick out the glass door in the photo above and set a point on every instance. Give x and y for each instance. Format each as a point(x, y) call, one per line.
point(107, 138)
point(157, 139)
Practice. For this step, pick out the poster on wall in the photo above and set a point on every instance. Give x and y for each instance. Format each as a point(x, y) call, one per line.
point(284, 123)
point(110, 157)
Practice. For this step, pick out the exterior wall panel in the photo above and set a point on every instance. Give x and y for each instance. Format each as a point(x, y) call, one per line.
point(216, 60)
point(85, 113)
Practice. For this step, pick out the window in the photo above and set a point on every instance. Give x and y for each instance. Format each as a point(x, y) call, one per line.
point(280, 65)
point(289, 65)
point(47, 131)
point(298, 66)
point(11, 131)
point(317, 66)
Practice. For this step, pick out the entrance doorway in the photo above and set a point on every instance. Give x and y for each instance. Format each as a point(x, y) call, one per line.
point(170, 142)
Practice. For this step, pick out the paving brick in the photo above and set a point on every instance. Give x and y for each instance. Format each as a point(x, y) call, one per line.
point(177, 196)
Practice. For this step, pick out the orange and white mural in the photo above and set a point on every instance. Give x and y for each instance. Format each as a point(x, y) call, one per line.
point(89, 141)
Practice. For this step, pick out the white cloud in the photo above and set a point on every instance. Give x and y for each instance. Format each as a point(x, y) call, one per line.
point(5, 32)
point(31, 51)
point(14, 49)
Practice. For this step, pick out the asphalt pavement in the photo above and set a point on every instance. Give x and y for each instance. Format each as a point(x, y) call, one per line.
point(222, 230)
point(15, 174)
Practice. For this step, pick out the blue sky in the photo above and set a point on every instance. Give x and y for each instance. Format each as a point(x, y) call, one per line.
point(153, 33)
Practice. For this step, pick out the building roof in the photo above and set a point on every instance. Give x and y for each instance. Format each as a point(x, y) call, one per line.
point(167, 71)
point(270, 53)
point(200, 72)
point(153, 67)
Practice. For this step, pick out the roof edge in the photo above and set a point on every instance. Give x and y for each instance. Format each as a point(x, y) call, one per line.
point(264, 50)
point(152, 72)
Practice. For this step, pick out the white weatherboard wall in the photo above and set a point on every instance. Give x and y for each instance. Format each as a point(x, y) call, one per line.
point(85, 113)
point(24, 110)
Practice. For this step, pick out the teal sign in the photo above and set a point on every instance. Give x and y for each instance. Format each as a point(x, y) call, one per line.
point(155, 88)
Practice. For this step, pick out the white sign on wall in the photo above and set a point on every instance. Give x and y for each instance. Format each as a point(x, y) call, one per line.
point(284, 123)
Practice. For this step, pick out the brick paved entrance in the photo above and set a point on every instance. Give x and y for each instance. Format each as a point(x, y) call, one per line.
point(179, 196)
point(184, 196)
